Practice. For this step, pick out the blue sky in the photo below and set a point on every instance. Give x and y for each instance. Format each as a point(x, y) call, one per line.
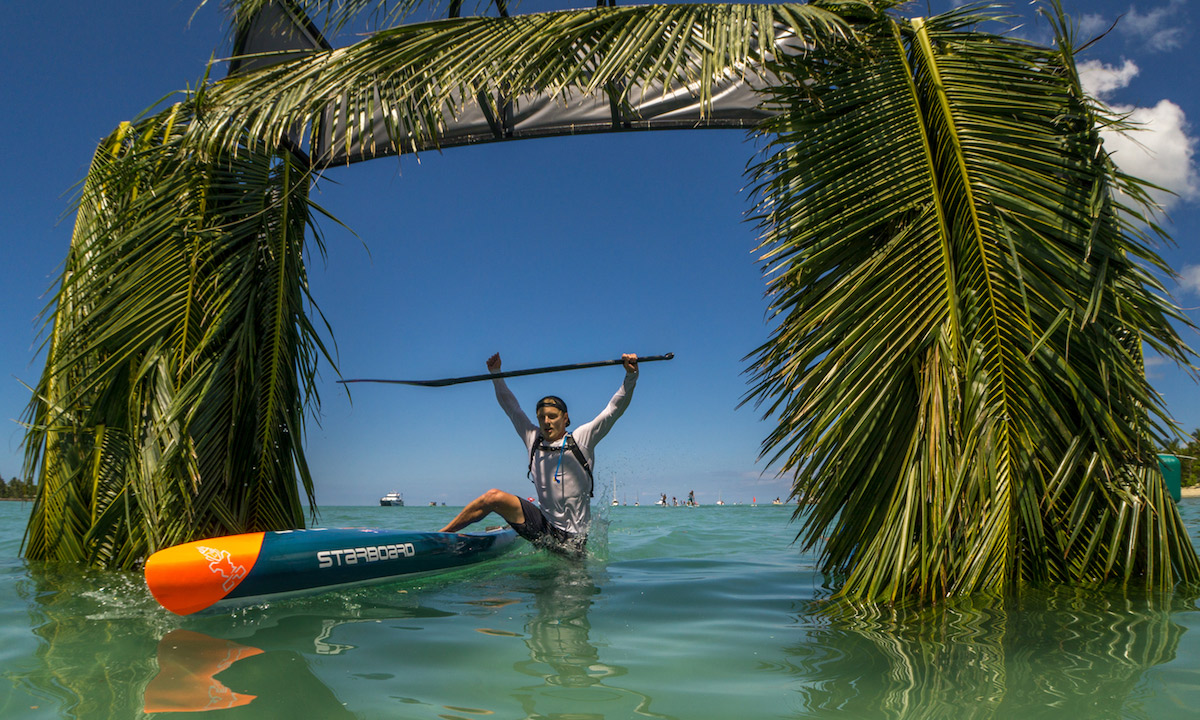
point(548, 251)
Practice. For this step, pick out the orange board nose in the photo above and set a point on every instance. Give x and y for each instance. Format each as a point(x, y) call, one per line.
point(190, 577)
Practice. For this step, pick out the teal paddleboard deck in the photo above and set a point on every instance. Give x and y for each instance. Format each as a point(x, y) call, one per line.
point(244, 568)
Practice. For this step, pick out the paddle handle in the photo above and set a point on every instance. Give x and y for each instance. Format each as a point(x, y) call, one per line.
point(508, 373)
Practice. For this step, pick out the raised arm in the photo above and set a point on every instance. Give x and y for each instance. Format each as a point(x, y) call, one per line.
point(591, 433)
point(508, 402)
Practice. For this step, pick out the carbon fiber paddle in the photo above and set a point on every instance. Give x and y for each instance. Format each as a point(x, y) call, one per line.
point(507, 373)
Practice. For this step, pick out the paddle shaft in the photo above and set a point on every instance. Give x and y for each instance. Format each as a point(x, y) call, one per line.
point(508, 373)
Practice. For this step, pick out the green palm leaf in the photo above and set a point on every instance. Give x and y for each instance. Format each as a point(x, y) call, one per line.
point(170, 407)
point(960, 306)
point(421, 75)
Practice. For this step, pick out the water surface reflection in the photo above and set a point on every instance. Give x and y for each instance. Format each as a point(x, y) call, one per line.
point(535, 637)
point(197, 672)
point(1063, 652)
point(576, 682)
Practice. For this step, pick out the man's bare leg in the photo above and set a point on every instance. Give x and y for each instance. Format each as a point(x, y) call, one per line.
point(506, 505)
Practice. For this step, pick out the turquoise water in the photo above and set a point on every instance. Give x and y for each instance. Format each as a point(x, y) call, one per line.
point(688, 613)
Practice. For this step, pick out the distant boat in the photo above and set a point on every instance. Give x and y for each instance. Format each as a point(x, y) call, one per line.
point(393, 499)
point(614, 502)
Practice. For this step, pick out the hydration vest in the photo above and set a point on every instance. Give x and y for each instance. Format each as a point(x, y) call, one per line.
point(569, 444)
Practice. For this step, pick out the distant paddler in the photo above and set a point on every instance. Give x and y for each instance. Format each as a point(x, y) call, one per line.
point(561, 464)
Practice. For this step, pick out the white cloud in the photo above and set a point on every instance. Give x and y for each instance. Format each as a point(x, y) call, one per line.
point(1160, 150)
point(1092, 25)
point(1100, 79)
point(1189, 279)
point(1160, 28)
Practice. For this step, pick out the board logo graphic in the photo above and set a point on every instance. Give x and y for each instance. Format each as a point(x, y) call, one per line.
point(353, 556)
point(221, 563)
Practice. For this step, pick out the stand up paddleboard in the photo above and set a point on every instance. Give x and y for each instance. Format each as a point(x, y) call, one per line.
point(199, 575)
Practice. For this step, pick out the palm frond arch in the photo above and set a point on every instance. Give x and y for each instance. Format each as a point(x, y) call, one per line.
point(960, 301)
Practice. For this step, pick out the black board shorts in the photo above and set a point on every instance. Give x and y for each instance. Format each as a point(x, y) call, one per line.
point(538, 530)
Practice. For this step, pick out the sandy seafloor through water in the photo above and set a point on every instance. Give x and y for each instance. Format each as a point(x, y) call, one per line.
point(688, 613)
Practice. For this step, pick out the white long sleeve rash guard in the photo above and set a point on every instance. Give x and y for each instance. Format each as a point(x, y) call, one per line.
point(563, 486)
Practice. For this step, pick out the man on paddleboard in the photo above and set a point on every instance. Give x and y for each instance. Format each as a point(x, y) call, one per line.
point(560, 465)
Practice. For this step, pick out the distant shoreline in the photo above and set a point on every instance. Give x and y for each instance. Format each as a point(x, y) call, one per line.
point(28, 499)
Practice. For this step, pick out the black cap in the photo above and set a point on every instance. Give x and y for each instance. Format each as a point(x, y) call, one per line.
point(552, 401)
